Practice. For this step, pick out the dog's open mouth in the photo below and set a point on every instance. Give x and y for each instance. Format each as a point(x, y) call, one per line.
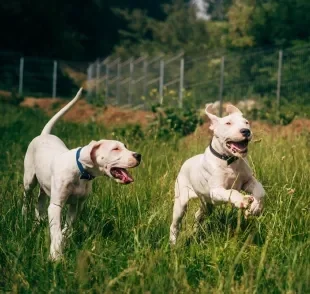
point(240, 147)
point(121, 174)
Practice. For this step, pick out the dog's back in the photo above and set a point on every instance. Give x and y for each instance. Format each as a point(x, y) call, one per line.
point(42, 150)
point(39, 156)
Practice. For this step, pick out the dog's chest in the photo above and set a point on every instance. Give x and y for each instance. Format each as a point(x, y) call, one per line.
point(233, 180)
point(79, 192)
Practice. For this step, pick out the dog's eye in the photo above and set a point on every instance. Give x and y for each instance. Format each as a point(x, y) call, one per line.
point(246, 122)
point(228, 123)
point(116, 149)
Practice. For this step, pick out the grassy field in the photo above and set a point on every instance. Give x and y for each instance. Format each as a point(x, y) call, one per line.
point(120, 243)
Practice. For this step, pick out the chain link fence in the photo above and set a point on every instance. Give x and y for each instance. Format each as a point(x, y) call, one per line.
point(179, 81)
point(176, 81)
point(40, 77)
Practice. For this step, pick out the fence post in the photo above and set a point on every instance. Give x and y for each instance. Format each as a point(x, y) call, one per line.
point(145, 72)
point(21, 76)
point(181, 83)
point(279, 79)
point(54, 79)
point(131, 69)
point(161, 81)
point(221, 86)
point(107, 81)
point(118, 85)
point(97, 77)
point(89, 77)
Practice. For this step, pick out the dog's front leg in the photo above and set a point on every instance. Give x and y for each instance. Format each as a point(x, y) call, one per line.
point(255, 188)
point(54, 217)
point(221, 195)
point(59, 196)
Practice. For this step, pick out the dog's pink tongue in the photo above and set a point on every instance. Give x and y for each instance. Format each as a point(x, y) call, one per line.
point(126, 178)
point(239, 145)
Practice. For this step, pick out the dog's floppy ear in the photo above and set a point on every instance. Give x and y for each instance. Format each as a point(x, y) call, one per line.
point(87, 153)
point(232, 109)
point(212, 117)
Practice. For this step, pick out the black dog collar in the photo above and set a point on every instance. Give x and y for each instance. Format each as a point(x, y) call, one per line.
point(84, 174)
point(227, 158)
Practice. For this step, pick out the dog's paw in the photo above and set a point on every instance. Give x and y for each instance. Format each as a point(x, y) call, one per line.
point(254, 209)
point(243, 202)
point(247, 200)
point(56, 249)
point(55, 257)
point(172, 239)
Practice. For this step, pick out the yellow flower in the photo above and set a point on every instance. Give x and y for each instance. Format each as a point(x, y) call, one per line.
point(143, 98)
point(171, 92)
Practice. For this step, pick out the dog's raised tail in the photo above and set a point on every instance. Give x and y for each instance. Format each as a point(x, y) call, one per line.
point(48, 127)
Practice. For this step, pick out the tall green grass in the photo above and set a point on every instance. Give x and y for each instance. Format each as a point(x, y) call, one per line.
point(120, 243)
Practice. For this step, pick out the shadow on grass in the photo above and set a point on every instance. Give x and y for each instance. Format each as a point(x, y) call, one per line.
point(232, 223)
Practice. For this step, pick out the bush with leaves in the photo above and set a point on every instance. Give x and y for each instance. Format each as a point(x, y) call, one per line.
point(129, 131)
point(171, 122)
point(268, 112)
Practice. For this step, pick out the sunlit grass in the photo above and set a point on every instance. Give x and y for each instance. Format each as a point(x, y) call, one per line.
point(120, 243)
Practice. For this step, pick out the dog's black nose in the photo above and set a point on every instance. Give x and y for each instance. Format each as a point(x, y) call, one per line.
point(245, 132)
point(137, 156)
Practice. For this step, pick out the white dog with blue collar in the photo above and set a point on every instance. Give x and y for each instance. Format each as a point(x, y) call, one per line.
point(65, 175)
point(218, 175)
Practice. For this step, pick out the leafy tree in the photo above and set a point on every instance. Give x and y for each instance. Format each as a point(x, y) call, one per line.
point(260, 23)
point(79, 30)
point(179, 31)
point(217, 9)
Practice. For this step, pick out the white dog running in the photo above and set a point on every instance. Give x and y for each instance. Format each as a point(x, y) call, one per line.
point(220, 173)
point(65, 174)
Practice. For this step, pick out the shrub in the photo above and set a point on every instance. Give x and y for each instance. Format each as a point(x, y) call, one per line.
point(268, 112)
point(129, 131)
point(172, 121)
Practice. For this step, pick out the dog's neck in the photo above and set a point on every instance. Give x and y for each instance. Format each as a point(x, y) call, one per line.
point(217, 150)
point(85, 174)
point(218, 147)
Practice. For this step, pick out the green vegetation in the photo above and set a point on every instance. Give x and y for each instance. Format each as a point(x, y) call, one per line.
point(249, 34)
point(173, 122)
point(167, 26)
point(83, 31)
point(233, 26)
point(120, 243)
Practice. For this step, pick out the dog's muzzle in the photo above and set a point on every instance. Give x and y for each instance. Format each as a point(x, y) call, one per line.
point(245, 133)
point(238, 146)
point(121, 174)
point(137, 156)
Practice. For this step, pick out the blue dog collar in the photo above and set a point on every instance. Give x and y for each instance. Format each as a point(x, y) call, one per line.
point(84, 174)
